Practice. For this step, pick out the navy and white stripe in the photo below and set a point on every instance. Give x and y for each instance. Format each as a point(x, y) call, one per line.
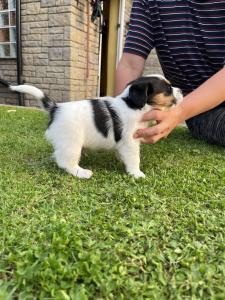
point(189, 37)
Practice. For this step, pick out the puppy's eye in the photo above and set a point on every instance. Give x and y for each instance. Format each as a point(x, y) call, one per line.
point(150, 90)
point(169, 89)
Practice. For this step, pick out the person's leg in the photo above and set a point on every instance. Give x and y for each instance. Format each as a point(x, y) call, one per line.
point(209, 126)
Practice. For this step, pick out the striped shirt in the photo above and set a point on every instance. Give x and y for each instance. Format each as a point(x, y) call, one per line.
point(188, 35)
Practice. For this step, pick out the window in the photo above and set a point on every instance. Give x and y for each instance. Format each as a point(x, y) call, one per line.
point(7, 28)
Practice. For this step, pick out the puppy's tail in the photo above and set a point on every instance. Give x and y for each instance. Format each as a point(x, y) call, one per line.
point(48, 103)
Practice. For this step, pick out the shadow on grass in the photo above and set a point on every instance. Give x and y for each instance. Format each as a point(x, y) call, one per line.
point(103, 160)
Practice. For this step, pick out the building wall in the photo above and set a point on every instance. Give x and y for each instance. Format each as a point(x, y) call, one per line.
point(7, 66)
point(46, 46)
point(84, 52)
point(8, 72)
point(59, 49)
point(128, 5)
point(45, 27)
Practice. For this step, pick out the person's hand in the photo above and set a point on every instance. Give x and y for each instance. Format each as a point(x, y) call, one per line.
point(166, 122)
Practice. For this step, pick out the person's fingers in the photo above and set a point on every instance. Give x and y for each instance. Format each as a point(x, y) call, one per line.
point(153, 139)
point(156, 115)
point(166, 121)
point(150, 131)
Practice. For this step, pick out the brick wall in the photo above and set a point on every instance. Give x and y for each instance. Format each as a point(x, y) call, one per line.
point(46, 46)
point(45, 26)
point(85, 52)
point(57, 56)
point(127, 17)
point(8, 72)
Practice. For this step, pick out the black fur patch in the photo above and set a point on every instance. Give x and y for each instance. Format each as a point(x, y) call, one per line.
point(101, 117)
point(52, 113)
point(48, 102)
point(51, 106)
point(5, 83)
point(129, 103)
point(117, 125)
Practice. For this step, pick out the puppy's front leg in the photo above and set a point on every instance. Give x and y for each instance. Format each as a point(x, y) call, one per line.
point(130, 154)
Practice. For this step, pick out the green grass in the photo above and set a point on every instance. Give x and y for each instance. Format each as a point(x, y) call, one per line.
point(111, 237)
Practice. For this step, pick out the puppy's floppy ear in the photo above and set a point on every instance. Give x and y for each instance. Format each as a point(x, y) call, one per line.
point(139, 93)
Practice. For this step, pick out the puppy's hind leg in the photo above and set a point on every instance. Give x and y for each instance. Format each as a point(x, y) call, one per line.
point(68, 159)
point(130, 154)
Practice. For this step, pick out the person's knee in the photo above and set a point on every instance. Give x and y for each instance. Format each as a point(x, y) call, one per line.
point(208, 128)
point(194, 126)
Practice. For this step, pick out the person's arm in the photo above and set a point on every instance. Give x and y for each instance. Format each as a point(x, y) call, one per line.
point(129, 68)
point(208, 95)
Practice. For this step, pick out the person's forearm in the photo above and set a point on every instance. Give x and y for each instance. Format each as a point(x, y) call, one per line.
point(210, 94)
point(130, 67)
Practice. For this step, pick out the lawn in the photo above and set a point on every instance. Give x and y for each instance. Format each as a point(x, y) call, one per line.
point(110, 237)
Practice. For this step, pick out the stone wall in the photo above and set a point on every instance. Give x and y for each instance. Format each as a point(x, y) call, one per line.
point(84, 52)
point(127, 17)
point(46, 46)
point(8, 72)
point(45, 27)
point(59, 50)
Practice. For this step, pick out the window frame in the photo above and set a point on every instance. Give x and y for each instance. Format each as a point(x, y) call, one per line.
point(12, 43)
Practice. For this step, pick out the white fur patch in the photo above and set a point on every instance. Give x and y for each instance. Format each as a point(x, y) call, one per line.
point(31, 90)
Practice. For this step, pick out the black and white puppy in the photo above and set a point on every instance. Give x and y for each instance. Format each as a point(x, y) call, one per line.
point(103, 123)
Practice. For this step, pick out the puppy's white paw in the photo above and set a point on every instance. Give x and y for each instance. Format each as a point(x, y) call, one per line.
point(84, 173)
point(137, 174)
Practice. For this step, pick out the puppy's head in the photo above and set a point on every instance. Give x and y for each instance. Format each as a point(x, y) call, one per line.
point(153, 90)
